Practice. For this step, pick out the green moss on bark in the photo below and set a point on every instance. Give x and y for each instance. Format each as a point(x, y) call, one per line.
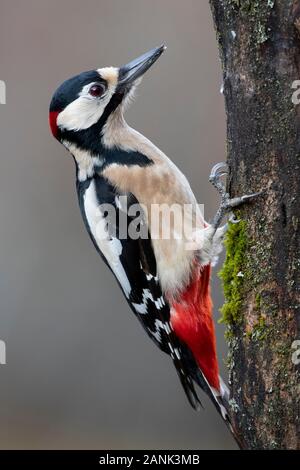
point(232, 274)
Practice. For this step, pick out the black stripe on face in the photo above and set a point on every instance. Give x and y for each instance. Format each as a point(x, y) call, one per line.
point(90, 139)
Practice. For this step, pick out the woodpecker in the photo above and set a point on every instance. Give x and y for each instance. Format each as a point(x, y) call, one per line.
point(166, 281)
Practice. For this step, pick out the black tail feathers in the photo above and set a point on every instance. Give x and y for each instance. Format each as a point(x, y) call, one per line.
point(189, 388)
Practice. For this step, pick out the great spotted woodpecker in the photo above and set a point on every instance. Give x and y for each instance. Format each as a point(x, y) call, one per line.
point(166, 280)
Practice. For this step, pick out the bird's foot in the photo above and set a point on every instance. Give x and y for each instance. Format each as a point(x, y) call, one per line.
point(227, 203)
point(215, 178)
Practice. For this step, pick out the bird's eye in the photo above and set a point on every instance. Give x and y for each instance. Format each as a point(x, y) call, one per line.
point(97, 90)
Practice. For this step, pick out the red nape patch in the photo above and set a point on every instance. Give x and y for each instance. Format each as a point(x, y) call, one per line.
point(191, 319)
point(53, 122)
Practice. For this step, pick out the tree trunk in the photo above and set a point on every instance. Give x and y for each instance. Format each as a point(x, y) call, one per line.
point(259, 43)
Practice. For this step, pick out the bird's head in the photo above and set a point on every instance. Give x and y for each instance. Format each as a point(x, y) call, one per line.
point(82, 105)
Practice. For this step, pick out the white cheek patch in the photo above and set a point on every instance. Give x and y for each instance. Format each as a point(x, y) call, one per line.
point(80, 114)
point(85, 111)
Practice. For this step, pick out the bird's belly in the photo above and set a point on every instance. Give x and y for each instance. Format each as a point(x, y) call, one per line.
point(171, 235)
point(174, 264)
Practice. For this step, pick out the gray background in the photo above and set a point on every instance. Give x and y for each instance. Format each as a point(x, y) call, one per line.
point(80, 371)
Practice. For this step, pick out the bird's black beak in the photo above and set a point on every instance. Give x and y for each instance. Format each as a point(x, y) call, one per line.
point(136, 68)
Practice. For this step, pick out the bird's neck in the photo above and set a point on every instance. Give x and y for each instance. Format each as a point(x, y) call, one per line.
point(116, 142)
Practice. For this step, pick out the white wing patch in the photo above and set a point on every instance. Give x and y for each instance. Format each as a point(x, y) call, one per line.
point(110, 247)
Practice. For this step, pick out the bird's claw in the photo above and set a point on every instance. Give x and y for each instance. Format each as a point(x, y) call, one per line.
point(237, 201)
point(233, 219)
point(218, 171)
point(227, 204)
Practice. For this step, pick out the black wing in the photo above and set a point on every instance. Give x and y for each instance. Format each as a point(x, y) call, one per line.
point(133, 263)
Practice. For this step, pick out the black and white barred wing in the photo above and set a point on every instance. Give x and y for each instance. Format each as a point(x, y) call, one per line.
point(132, 261)
point(129, 255)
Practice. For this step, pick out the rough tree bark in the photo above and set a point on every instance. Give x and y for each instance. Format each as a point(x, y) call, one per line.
point(259, 42)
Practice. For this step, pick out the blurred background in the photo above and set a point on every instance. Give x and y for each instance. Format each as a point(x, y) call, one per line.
point(80, 371)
